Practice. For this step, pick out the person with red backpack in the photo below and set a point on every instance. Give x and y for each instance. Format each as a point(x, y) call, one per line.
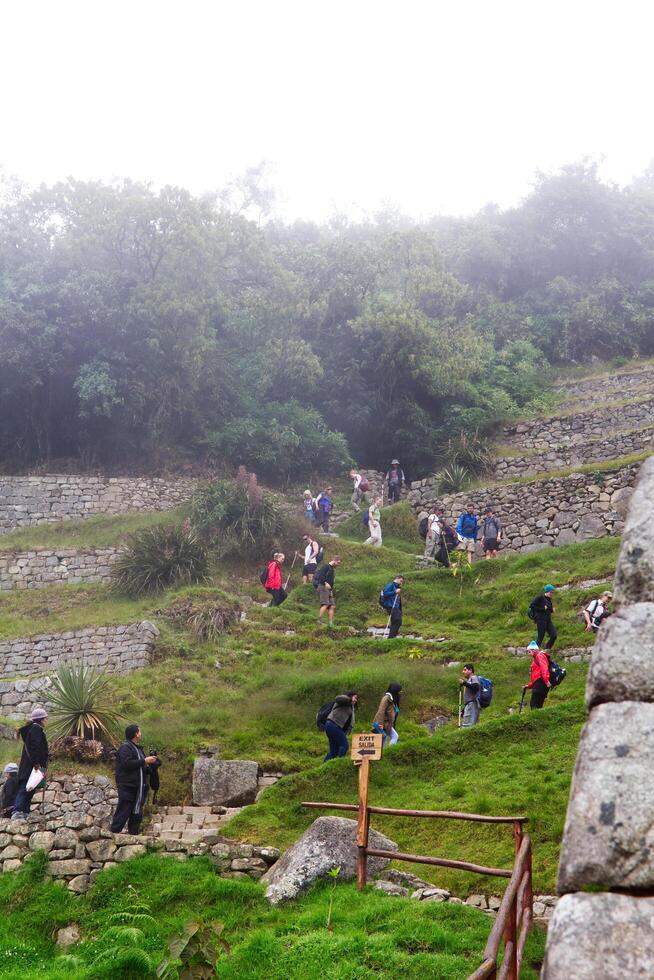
point(361, 487)
point(540, 683)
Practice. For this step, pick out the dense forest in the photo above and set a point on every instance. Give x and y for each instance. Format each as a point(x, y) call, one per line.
point(153, 329)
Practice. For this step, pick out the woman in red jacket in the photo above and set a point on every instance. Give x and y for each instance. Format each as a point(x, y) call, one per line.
point(540, 676)
point(274, 579)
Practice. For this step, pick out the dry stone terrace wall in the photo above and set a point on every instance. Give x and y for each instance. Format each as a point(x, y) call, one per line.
point(544, 512)
point(566, 457)
point(29, 500)
point(578, 428)
point(39, 569)
point(608, 839)
point(116, 649)
point(600, 387)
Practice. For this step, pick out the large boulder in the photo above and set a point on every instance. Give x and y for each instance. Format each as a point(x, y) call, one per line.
point(600, 936)
point(634, 577)
point(330, 842)
point(228, 783)
point(590, 526)
point(621, 666)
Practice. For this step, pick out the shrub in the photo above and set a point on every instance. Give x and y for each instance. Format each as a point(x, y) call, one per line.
point(238, 514)
point(158, 558)
point(469, 452)
point(207, 617)
point(82, 704)
point(452, 479)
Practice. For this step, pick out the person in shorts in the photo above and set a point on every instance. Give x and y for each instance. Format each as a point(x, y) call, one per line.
point(311, 549)
point(326, 596)
point(491, 533)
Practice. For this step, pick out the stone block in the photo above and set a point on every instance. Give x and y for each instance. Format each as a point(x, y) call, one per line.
point(621, 666)
point(42, 841)
point(590, 526)
point(129, 851)
point(634, 577)
point(600, 937)
point(79, 884)
point(101, 850)
point(229, 783)
point(609, 835)
point(70, 868)
point(65, 837)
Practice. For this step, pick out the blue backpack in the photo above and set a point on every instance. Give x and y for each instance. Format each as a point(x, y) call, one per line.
point(485, 691)
point(365, 518)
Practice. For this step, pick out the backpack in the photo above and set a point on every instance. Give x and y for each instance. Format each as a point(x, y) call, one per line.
point(263, 575)
point(386, 600)
point(557, 673)
point(319, 576)
point(451, 540)
point(485, 691)
point(319, 555)
point(422, 528)
point(322, 714)
point(365, 518)
point(364, 486)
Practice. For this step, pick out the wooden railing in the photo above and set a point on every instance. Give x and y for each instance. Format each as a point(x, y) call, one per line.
point(515, 913)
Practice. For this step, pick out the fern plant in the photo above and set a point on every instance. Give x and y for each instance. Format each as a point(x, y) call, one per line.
point(82, 703)
point(159, 558)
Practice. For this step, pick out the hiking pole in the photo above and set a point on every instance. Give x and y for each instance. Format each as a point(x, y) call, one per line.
point(289, 572)
point(444, 547)
point(522, 700)
point(460, 706)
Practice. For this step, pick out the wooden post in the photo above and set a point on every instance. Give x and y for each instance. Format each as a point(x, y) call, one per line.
point(517, 836)
point(363, 823)
point(510, 944)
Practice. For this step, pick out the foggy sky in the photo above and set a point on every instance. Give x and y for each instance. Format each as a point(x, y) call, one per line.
point(434, 107)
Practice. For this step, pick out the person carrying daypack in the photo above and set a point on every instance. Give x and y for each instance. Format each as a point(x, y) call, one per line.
point(339, 723)
point(325, 505)
point(361, 487)
point(311, 552)
point(491, 533)
point(273, 580)
point(395, 479)
point(540, 683)
point(374, 524)
point(471, 687)
point(540, 610)
point(597, 611)
point(390, 598)
point(466, 529)
point(310, 507)
point(323, 581)
point(433, 535)
point(448, 540)
point(386, 718)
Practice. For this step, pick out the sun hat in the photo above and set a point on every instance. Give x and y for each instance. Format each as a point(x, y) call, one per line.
point(549, 588)
point(395, 462)
point(10, 767)
point(533, 646)
point(38, 714)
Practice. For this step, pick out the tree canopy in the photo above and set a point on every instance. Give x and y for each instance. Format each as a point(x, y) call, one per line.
point(149, 327)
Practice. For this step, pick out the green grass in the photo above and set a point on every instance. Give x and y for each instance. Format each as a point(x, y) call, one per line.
point(370, 935)
point(90, 532)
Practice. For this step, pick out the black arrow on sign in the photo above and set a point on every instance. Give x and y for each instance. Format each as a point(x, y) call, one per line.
point(366, 751)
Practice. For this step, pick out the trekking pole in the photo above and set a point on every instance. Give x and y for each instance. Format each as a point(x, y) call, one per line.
point(289, 572)
point(460, 706)
point(522, 701)
point(444, 547)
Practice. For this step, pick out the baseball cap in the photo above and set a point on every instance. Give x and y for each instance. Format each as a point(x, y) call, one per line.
point(549, 588)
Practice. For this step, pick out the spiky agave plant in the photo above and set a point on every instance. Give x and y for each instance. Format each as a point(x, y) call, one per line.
point(453, 478)
point(157, 558)
point(82, 703)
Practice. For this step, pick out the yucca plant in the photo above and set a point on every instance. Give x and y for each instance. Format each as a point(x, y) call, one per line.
point(82, 703)
point(452, 479)
point(158, 558)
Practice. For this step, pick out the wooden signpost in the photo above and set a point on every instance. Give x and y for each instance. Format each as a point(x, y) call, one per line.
point(365, 749)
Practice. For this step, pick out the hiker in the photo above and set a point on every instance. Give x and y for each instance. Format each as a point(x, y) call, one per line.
point(391, 600)
point(433, 535)
point(491, 533)
point(273, 582)
point(387, 712)
point(325, 505)
point(448, 540)
point(311, 552)
point(133, 768)
point(540, 676)
point(33, 756)
point(466, 528)
point(597, 611)
point(374, 523)
point(9, 789)
point(324, 580)
point(339, 724)
point(540, 610)
point(395, 479)
point(471, 687)
point(309, 504)
point(361, 487)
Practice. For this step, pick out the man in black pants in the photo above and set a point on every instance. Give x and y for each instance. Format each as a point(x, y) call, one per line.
point(541, 609)
point(392, 601)
point(133, 769)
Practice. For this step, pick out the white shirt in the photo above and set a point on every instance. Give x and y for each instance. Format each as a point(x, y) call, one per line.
point(357, 481)
point(309, 553)
point(433, 525)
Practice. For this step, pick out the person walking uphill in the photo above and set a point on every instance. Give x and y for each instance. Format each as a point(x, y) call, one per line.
point(467, 528)
point(540, 676)
point(323, 580)
point(133, 769)
point(34, 756)
point(339, 724)
point(395, 479)
point(540, 610)
point(273, 582)
point(471, 687)
point(387, 712)
point(391, 599)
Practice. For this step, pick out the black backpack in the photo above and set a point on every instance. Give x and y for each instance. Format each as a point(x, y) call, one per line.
point(322, 714)
point(557, 673)
point(263, 575)
point(422, 528)
point(318, 576)
point(320, 555)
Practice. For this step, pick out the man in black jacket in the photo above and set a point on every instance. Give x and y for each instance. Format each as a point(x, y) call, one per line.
point(133, 768)
point(34, 756)
point(540, 610)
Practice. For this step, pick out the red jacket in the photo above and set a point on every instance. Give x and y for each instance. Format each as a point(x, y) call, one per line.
point(274, 579)
point(540, 668)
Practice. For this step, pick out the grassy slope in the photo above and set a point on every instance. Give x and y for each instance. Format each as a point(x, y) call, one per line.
point(370, 935)
point(92, 532)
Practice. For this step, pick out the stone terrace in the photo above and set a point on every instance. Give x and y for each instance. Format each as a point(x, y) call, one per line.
point(39, 569)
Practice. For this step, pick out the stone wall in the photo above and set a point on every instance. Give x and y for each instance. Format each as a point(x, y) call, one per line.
point(577, 428)
point(79, 848)
point(39, 569)
point(627, 384)
point(29, 500)
point(535, 515)
point(116, 649)
point(565, 457)
point(609, 836)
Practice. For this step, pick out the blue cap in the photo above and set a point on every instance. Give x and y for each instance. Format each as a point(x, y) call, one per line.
point(549, 588)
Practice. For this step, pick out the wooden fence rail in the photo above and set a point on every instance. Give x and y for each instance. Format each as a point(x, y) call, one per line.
point(514, 916)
